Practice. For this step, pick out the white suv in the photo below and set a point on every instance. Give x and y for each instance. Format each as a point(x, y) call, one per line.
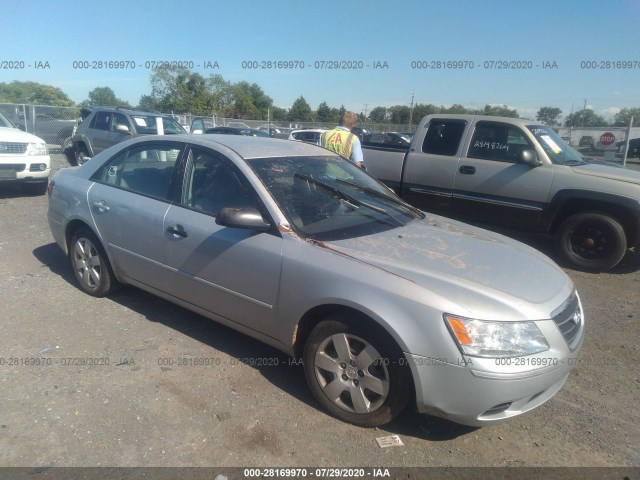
point(23, 158)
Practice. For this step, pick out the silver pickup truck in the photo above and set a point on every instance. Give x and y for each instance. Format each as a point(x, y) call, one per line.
point(517, 173)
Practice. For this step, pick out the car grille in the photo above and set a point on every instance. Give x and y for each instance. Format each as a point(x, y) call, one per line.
point(570, 321)
point(15, 167)
point(12, 147)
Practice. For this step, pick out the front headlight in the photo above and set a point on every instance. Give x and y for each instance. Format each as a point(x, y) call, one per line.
point(483, 338)
point(37, 149)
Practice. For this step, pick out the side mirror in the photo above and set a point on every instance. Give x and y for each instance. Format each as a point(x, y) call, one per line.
point(242, 217)
point(122, 128)
point(529, 157)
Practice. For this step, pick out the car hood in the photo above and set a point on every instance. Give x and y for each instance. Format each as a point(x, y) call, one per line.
point(608, 171)
point(443, 256)
point(15, 135)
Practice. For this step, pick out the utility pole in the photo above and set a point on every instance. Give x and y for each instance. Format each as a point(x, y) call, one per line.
point(411, 113)
point(366, 106)
point(584, 108)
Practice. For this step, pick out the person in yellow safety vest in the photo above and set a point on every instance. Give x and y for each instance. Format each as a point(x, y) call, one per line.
point(342, 141)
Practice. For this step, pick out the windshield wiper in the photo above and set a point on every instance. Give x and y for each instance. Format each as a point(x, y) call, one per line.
point(349, 198)
point(378, 194)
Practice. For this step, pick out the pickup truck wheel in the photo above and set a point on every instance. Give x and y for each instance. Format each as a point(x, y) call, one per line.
point(358, 375)
point(90, 264)
point(592, 241)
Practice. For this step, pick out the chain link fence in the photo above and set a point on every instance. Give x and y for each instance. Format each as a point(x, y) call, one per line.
point(54, 124)
point(51, 123)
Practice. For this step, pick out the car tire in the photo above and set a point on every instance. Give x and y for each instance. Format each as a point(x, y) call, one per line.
point(358, 374)
point(90, 264)
point(593, 242)
point(81, 155)
point(39, 188)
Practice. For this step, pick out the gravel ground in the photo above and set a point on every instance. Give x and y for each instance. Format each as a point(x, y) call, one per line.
point(141, 409)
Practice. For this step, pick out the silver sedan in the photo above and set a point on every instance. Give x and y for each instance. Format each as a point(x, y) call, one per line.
point(292, 245)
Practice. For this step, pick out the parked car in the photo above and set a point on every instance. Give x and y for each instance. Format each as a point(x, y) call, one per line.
point(247, 132)
point(270, 129)
point(200, 124)
point(634, 147)
point(51, 129)
point(311, 135)
point(24, 158)
point(295, 246)
point(106, 126)
point(586, 141)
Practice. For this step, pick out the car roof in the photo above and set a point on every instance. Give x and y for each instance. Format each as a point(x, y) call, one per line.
point(248, 147)
point(130, 111)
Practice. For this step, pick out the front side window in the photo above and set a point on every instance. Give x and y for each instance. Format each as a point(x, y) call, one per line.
point(145, 169)
point(498, 141)
point(214, 183)
point(443, 137)
point(119, 119)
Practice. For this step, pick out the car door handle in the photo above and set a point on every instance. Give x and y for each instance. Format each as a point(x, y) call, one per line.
point(103, 207)
point(178, 231)
point(467, 170)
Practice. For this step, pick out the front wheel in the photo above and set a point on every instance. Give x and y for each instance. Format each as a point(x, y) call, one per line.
point(90, 264)
point(356, 373)
point(81, 155)
point(592, 241)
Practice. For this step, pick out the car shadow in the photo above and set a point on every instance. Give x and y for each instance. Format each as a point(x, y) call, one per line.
point(280, 370)
point(13, 190)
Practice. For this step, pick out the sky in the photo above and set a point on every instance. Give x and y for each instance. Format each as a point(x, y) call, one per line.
point(382, 48)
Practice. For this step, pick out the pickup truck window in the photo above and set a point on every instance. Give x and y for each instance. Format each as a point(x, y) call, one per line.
point(443, 137)
point(498, 141)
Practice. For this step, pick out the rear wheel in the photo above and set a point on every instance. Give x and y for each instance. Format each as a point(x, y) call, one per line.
point(592, 241)
point(356, 373)
point(90, 264)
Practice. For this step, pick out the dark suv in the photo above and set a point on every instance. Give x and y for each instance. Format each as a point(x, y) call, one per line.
point(106, 126)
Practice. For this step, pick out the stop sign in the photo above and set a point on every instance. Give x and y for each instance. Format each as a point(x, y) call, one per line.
point(607, 138)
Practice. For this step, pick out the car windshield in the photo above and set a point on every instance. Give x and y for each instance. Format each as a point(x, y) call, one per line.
point(559, 152)
point(146, 125)
point(5, 122)
point(329, 198)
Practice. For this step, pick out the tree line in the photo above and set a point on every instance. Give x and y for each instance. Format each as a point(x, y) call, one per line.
point(179, 90)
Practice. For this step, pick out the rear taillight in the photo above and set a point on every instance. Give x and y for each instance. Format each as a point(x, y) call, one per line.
point(50, 188)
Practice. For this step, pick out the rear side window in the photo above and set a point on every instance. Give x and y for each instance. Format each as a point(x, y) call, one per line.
point(498, 141)
point(145, 169)
point(102, 121)
point(443, 137)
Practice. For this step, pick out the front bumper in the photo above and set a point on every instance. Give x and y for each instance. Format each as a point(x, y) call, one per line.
point(25, 169)
point(479, 398)
point(486, 391)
